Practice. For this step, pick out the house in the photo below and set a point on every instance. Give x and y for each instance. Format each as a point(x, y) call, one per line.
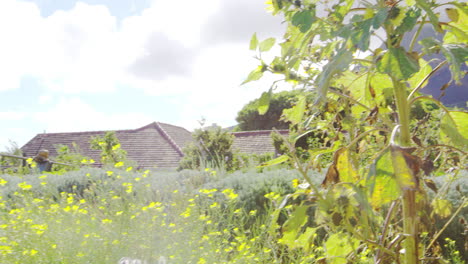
point(154, 145)
point(255, 142)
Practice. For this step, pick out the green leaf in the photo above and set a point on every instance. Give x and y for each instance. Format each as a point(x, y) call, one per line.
point(425, 70)
point(276, 161)
point(293, 226)
point(267, 44)
point(406, 167)
point(442, 207)
point(452, 13)
point(398, 63)
point(264, 102)
point(303, 19)
point(296, 220)
point(345, 167)
point(338, 246)
point(379, 18)
point(383, 88)
point(254, 42)
point(410, 20)
point(339, 63)
point(354, 83)
point(454, 129)
point(456, 55)
point(425, 5)
point(254, 75)
point(296, 113)
point(381, 181)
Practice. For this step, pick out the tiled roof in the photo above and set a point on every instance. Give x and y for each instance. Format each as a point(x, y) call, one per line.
point(154, 145)
point(255, 142)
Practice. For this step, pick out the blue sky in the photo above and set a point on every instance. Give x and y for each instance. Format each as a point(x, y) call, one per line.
point(84, 65)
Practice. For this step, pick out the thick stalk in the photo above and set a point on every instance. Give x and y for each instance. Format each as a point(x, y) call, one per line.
point(410, 221)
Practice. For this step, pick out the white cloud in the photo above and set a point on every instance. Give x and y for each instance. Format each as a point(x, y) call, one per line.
point(9, 115)
point(85, 49)
point(73, 114)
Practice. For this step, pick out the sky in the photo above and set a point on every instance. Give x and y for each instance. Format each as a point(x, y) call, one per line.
point(69, 66)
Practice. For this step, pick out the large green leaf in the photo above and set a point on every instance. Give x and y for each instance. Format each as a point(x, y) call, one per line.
point(303, 19)
point(382, 87)
point(264, 102)
point(425, 70)
point(381, 181)
point(457, 29)
point(338, 246)
point(398, 63)
point(406, 167)
point(425, 5)
point(410, 20)
point(454, 129)
point(294, 225)
point(442, 207)
point(267, 44)
point(345, 167)
point(355, 84)
point(342, 168)
point(254, 75)
point(455, 54)
point(339, 63)
point(296, 113)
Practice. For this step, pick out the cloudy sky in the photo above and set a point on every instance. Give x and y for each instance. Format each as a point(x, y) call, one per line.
point(68, 65)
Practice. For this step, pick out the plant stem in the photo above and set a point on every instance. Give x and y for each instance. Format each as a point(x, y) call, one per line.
point(410, 221)
point(403, 112)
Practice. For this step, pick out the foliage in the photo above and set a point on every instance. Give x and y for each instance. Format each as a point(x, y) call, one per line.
point(70, 156)
point(12, 165)
point(250, 118)
point(211, 148)
point(374, 196)
point(118, 213)
point(109, 145)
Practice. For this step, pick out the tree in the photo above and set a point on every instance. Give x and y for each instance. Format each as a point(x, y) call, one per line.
point(10, 163)
point(381, 154)
point(249, 117)
point(211, 148)
point(109, 145)
point(70, 156)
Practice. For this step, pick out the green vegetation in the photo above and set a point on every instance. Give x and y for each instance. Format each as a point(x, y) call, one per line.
point(109, 145)
point(374, 204)
point(99, 216)
point(249, 117)
point(211, 147)
point(393, 187)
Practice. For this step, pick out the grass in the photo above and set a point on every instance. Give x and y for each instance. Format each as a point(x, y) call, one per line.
point(101, 216)
point(104, 215)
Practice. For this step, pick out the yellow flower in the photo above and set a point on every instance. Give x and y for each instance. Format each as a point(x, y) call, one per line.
point(119, 164)
point(106, 221)
point(3, 182)
point(24, 186)
point(129, 169)
point(230, 194)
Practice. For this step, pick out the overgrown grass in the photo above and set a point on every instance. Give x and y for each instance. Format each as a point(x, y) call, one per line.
point(99, 216)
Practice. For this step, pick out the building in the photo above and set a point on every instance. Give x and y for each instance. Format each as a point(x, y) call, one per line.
point(154, 145)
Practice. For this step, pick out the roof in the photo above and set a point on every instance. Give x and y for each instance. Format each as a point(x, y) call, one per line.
point(255, 142)
point(154, 145)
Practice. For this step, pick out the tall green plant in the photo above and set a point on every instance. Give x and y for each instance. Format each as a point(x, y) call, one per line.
point(382, 155)
point(211, 148)
point(109, 145)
